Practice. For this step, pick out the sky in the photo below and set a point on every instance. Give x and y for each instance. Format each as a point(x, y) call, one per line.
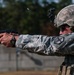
point(1, 1)
point(73, 1)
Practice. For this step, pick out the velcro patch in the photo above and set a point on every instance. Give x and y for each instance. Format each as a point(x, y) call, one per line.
point(58, 40)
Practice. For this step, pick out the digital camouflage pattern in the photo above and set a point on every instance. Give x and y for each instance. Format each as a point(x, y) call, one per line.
point(65, 16)
point(55, 45)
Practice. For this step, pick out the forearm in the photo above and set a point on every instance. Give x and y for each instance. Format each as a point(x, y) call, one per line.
point(59, 45)
point(34, 43)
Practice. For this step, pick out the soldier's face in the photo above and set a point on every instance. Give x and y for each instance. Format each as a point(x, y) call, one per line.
point(65, 30)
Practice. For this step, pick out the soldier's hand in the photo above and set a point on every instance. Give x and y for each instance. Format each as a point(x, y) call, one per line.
point(5, 39)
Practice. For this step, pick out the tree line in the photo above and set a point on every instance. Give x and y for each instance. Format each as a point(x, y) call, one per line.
point(30, 16)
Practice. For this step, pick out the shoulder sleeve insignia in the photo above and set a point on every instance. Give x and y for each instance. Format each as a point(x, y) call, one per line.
point(58, 40)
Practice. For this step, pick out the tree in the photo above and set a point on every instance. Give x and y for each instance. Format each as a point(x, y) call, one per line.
point(28, 16)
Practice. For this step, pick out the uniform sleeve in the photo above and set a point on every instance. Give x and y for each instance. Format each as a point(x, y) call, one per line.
point(47, 45)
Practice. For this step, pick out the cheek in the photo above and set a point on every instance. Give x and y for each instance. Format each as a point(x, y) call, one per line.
point(64, 32)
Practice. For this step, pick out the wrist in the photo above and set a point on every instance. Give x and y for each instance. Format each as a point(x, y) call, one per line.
point(13, 41)
point(16, 37)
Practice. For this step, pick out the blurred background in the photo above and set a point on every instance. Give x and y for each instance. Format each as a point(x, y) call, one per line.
point(29, 17)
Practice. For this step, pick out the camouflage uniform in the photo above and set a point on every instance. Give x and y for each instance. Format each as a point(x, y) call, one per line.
point(53, 45)
point(44, 45)
point(66, 16)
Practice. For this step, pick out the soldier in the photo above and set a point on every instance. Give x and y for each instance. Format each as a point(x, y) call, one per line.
point(49, 45)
